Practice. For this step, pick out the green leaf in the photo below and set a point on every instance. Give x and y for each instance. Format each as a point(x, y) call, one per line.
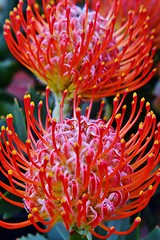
point(34, 237)
point(7, 68)
point(59, 232)
point(120, 225)
point(19, 121)
point(133, 235)
point(8, 210)
point(3, 48)
point(154, 234)
point(76, 236)
point(6, 104)
point(2, 121)
point(79, 234)
point(5, 8)
point(88, 235)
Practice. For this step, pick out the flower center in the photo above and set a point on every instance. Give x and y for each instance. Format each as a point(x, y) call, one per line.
point(76, 172)
point(75, 39)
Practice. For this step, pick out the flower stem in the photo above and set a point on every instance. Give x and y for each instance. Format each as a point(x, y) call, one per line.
point(57, 111)
point(80, 234)
point(75, 236)
point(138, 230)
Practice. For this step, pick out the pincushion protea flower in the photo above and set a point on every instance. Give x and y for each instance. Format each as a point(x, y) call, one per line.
point(152, 8)
point(68, 44)
point(81, 171)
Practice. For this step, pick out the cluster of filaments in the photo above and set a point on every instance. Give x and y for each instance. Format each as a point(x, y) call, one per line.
point(81, 171)
point(69, 42)
point(151, 6)
point(72, 179)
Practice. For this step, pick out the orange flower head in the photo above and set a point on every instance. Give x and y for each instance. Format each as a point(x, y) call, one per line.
point(69, 47)
point(152, 10)
point(81, 171)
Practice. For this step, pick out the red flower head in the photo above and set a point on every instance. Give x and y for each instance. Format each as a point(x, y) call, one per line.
point(69, 47)
point(81, 171)
point(152, 9)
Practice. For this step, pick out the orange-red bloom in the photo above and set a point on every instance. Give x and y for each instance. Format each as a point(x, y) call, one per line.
point(69, 47)
point(81, 171)
point(152, 9)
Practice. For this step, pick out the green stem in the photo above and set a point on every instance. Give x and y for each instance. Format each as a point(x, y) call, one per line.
point(138, 230)
point(56, 110)
point(75, 236)
point(80, 234)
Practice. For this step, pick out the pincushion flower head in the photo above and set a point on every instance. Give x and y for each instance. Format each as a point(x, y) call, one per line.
point(152, 7)
point(81, 171)
point(71, 47)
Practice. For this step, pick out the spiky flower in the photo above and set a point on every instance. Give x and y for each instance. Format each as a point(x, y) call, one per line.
point(69, 47)
point(152, 9)
point(81, 171)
